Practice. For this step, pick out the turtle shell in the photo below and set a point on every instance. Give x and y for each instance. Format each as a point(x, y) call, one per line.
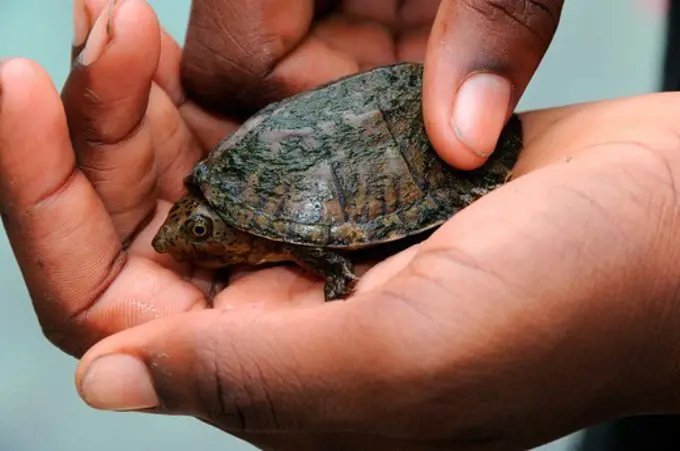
point(345, 165)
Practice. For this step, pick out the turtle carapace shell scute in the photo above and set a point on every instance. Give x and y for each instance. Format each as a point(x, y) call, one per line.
point(346, 165)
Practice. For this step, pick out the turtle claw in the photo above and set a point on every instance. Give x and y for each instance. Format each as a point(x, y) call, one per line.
point(337, 270)
point(340, 287)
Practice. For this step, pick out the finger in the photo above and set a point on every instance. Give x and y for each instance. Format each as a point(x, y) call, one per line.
point(175, 134)
point(480, 58)
point(85, 12)
point(312, 370)
point(60, 232)
point(82, 285)
point(167, 72)
point(105, 98)
point(233, 49)
point(206, 364)
point(181, 131)
point(153, 134)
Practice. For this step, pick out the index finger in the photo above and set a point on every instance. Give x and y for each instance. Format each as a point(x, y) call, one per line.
point(61, 234)
point(83, 285)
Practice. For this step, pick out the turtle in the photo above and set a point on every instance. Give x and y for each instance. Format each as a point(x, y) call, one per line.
point(312, 178)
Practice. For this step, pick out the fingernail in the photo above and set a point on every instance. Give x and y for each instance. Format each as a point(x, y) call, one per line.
point(99, 37)
point(109, 21)
point(81, 23)
point(481, 105)
point(118, 382)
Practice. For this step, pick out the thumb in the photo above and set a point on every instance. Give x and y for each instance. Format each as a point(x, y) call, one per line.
point(244, 370)
point(480, 58)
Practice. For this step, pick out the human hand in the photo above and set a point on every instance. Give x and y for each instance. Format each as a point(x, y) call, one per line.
point(534, 312)
point(86, 184)
point(82, 202)
point(242, 55)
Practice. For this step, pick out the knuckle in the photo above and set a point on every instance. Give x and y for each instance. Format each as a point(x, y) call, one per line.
point(227, 60)
point(67, 319)
point(63, 340)
point(227, 84)
point(540, 18)
point(95, 122)
point(96, 135)
point(73, 338)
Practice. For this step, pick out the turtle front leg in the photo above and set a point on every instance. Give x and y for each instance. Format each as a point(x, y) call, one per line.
point(338, 271)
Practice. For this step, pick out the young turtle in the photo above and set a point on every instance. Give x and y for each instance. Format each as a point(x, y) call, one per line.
point(309, 179)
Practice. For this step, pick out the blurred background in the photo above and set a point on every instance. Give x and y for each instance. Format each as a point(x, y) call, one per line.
point(603, 49)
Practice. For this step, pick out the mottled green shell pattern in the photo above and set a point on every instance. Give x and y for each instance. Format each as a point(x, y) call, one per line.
point(346, 165)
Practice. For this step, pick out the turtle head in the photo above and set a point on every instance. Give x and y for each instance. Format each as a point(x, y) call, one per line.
point(195, 233)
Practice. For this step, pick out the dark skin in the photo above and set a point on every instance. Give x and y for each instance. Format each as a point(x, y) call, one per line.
point(479, 56)
point(536, 312)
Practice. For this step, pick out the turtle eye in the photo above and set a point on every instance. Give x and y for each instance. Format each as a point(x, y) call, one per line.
point(199, 228)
